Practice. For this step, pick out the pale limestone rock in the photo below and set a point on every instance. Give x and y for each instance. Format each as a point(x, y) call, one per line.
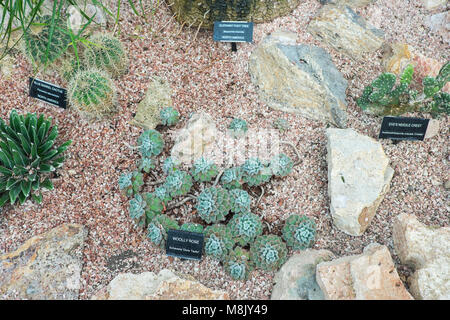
point(432, 129)
point(368, 276)
point(433, 4)
point(296, 278)
point(46, 267)
point(427, 250)
point(358, 178)
point(439, 23)
point(345, 31)
point(299, 79)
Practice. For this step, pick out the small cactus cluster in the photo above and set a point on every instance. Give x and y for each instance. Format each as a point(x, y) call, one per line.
point(238, 128)
point(169, 116)
point(299, 232)
point(385, 95)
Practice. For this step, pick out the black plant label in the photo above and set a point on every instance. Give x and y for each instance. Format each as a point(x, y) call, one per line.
point(48, 92)
point(184, 244)
point(233, 31)
point(402, 128)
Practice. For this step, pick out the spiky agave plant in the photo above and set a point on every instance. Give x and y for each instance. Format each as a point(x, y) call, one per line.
point(27, 156)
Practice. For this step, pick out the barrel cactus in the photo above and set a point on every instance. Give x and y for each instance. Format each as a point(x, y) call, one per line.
point(27, 155)
point(238, 264)
point(204, 170)
point(245, 227)
point(150, 143)
point(232, 178)
point(237, 128)
point(158, 227)
point(178, 183)
point(169, 116)
point(299, 232)
point(213, 204)
point(106, 52)
point(240, 201)
point(93, 93)
point(192, 227)
point(255, 172)
point(218, 241)
point(281, 165)
point(268, 252)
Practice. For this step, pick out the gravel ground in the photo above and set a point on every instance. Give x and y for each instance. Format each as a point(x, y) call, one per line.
point(207, 76)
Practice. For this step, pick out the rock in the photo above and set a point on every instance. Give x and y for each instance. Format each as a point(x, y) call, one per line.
point(204, 12)
point(433, 4)
point(350, 3)
point(296, 280)
point(7, 64)
point(149, 286)
point(368, 276)
point(345, 31)
point(299, 79)
point(439, 23)
point(195, 139)
point(46, 267)
point(157, 96)
point(432, 129)
point(358, 178)
point(426, 249)
point(447, 184)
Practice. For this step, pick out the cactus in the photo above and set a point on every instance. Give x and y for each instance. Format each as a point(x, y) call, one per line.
point(178, 183)
point(150, 143)
point(218, 241)
point(204, 170)
point(245, 227)
point(131, 182)
point(137, 209)
point(281, 165)
point(170, 165)
point(268, 252)
point(213, 204)
point(255, 172)
point(238, 128)
point(146, 164)
point(92, 93)
point(154, 205)
point(106, 53)
point(299, 232)
point(232, 178)
point(240, 201)
point(192, 227)
point(27, 155)
point(158, 228)
point(238, 264)
point(169, 116)
point(163, 194)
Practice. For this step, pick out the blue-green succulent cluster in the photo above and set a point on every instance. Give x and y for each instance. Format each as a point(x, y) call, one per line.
point(154, 205)
point(158, 227)
point(213, 204)
point(204, 170)
point(238, 264)
point(131, 182)
point(299, 232)
point(238, 127)
point(137, 209)
point(170, 165)
point(163, 194)
point(245, 227)
point(281, 165)
point(192, 227)
point(232, 178)
point(218, 241)
point(146, 164)
point(178, 183)
point(268, 252)
point(169, 116)
point(150, 143)
point(240, 201)
point(255, 172)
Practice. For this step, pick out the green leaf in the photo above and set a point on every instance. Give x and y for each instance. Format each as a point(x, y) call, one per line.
point(11, 183)
point(47, 184)
point(25, 145)
point(6, 160)
point(5, 171)
point(22, 198)
point(37, 198)
point(40, 121)
point(430, 86)
point(35, 185)
point(45, 147)
point(407, 74)
point(4, 197)
point(14, 192)
point(18, 159)
point(46, 168)
point(444, 74)
point(34, 153)
point(26, 187)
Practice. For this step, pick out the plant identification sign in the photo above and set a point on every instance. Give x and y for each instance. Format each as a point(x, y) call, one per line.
point(48, 92)
point(402, 128)
point(184, 244)
point(233, 31)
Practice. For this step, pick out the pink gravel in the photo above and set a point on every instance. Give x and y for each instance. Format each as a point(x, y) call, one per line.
point(207, 76)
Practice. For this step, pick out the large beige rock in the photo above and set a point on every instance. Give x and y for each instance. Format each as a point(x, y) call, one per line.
point(345, 31)
point(46, 267)
point(368, 276)
point(433, 4)
point(427, 250)
point(299, 79)
point(350, 3)
point(149, 286)
point(296, 280)
point(358, 178)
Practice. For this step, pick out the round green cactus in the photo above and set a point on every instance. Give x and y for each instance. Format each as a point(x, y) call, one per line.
point(218, 241)
point(178, 183)
point(213, 204)
point(281, 165)
point(170, 165)
point(107, 53)
point(268, 252)
point(238, 127)
point(245, 227)
point(255, 172)
point(158, 228)
point(204, 170)
point(92, 93)
point(169, 116)
point(232, 178)
point(240, 201)
point(192, 227)
point(238, 264)
point(150, 143)
point(299, 232)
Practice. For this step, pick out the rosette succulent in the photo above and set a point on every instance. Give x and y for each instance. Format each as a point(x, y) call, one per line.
point(281, 165)
point(169, 116)
point(137, 209)
point(245, 227)
point(268, 252)
point(170, 165)
point(146, 164)
point(213, 204)
point(237, 127)
point(131, 182)
point(192, 227)
point(299, 232)
point(218, 241)
point(158, 227)
point(204, 170)
point(178, 183)
point(240, 201)
point(154, 205)
point(150, 143)
point(163, 194)
point(232, 178)
point(238, 264)
point(27, 156)
point(255, 172)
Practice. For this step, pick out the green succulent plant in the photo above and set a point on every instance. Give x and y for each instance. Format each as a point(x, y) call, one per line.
point(170, 165)
point(255, 172)
point(146, 164)
point(232, 178)
point(218, 241)
point(163, 194)
point(137, 209)
point(169, 116)
point(150, 143)
point(154, 205)
point(213, 204)
point(204, 170)
point(240, 201)
point(238, 264)
point(299, 232)
point(93, 93)
point(268, 252)
point(245, 227)
point(192, 227)
point(238, 127)
point(107, 53)
point(281, 165)
point(158, 227)
point(178, 183)
point(131, 182)
point(27, 155)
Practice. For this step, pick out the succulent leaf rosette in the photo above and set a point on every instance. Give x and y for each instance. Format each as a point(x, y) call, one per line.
point(255, 172)
point(299, 232)
point(204, 170)
point(238, 264)
point(192, 227)
point(150, 143)
point(158, 227)
point(232, 178)
point(245, 227)
point(268, 252)
point(178, 183)
point(240, 201)
point(238, 128)
point(213, 204)
point(218, 241)
point(281, 165)
point(169, 116)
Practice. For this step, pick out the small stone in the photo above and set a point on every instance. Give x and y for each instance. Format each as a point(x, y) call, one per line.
point(350, 3)
point(439, 23)
point(432, 129)
point(447, 184)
